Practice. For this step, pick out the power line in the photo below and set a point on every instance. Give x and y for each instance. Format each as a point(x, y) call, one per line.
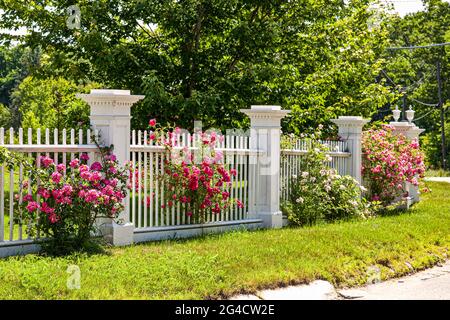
point(426, 114)
point(424, 103)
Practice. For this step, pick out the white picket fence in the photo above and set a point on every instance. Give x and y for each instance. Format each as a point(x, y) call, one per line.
point(148, 196)
point(262, 180)
point(291, 160)
point(148, 160)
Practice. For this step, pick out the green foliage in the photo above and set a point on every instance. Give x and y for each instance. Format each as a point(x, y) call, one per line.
point(206, 59)
point(431, 144)
point(16, 62)
point(319, 194)
point(5, 116)
point(415, 71)
point(51, 103)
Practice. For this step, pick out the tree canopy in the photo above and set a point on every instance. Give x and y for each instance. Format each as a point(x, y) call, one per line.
point(206, 59)
point(414, 72)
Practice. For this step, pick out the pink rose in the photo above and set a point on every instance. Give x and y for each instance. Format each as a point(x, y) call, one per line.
point(97, 166)
point(56, 177)
point(32, 206)
point(74, 163)
point(46, 161)
point(84, 157)
point(111, 157)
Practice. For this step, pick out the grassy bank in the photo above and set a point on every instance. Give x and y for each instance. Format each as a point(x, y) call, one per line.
point(218, 266)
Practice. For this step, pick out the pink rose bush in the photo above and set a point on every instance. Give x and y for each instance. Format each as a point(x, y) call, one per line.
point(197, 180)
point(389, 161)
point(65, 201)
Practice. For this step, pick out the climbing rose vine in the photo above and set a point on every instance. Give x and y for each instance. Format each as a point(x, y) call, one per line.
point(389, 161)
point(196, 179)
point(62, 203)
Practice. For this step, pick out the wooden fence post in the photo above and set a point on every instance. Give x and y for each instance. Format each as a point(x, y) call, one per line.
point(350, 130)
point(265, 133)
point(110, 114)
point(411, 132)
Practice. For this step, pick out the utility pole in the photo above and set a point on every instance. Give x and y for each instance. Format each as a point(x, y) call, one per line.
point(441, 107)
point(404, 107)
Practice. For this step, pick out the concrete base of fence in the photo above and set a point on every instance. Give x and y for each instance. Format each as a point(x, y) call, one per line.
point(285, 221)
point(272, 220)
point(186, 231)
point(15, 248)
point(118, 234)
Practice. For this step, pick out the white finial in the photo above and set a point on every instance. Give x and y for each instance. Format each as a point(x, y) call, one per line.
point(410, 114)
point(396, 114)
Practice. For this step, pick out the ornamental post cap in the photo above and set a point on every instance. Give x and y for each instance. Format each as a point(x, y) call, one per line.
point(103, 95)
point(115, 92)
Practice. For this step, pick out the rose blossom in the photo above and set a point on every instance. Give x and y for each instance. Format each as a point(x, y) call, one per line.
point(56, 177)
point(97, 166)
point(46, 161)
point(32, 206)
point(74, 163)
point(84, 157)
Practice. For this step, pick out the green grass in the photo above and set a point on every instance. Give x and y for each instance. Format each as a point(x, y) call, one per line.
point(437, 173)
point(218, 266)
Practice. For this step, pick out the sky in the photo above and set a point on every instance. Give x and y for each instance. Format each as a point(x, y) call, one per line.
point(404, 7)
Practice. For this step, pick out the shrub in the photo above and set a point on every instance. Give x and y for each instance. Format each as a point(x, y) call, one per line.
point(198, 181)
point(66, 203)
point(319, 194)
point(389, 161)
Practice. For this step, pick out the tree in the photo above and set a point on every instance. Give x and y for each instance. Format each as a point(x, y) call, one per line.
point(206, 59)
point(414, 71)
point(16, 62)
point(51, 103)
point(5, 116)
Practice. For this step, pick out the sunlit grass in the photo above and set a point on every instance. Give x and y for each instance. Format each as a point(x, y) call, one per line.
point(437, 173)
point(222, 265)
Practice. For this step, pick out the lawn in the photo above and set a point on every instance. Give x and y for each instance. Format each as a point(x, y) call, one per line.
point(437, 173)
point(218, 266)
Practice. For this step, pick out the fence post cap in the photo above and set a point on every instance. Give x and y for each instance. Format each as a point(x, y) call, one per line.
point(124, 97)
point(263, 111)
point(350, 120)
point(265, 107)
point(115, 92)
